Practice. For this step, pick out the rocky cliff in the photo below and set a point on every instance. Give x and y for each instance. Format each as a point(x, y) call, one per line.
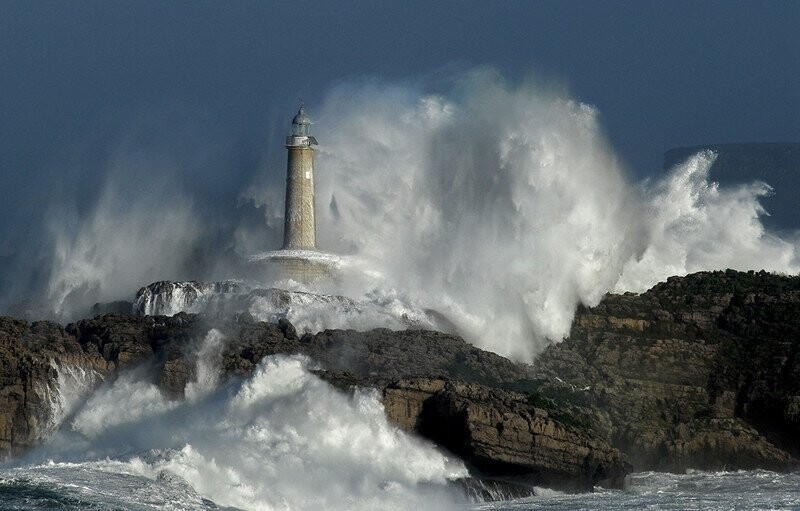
point(699, 372)
point(31, 356)
point(433, 383)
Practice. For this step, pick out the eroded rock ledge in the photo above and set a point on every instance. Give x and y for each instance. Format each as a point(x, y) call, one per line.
point(455, 388)
point(699, 372)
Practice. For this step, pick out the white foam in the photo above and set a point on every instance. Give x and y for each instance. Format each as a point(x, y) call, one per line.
point(502, 206)
point(280, 439)
point(308, 311)
point(63, 395)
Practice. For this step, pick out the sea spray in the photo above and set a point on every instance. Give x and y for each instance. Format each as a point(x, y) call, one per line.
point(64, 394)
point(503, 206)
point(307, 311)
point(279, 439)
point(137, 228)
point(207, 366)
point(694, 224)
point(499, 204)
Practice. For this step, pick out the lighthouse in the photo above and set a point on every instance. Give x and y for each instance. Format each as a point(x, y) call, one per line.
point(299, 227)
point(298, 259)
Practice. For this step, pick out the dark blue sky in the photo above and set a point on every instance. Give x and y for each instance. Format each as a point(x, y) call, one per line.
point(74, 76)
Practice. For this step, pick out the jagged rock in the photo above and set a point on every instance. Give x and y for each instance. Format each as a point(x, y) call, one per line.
point(27, 378)
point(699, 372)
point(287, 328)
point(383, 353)
point(500, 433)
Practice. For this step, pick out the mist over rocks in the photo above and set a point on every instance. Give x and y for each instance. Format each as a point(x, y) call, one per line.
point(698, 372)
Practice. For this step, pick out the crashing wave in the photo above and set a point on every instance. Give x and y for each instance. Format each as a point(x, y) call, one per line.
point(277, 439)
point(308, 312)
point(64, 394)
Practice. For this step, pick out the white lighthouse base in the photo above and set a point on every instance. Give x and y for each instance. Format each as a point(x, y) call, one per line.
point(299, 265)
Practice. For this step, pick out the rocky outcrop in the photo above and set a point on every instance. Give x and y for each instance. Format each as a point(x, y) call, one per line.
point(29, 357)
point(699, 372)
point(380, 354)
point(453, 386)
point(500, 433)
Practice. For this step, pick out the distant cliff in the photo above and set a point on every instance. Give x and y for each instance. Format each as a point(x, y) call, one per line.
point(778, 165)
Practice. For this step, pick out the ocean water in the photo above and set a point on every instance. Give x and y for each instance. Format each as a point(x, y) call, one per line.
point(283, 439)
point(695, 490)
point(108, 485)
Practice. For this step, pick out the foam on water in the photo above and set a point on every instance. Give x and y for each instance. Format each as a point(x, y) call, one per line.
point(694, 491)
point(279, 439)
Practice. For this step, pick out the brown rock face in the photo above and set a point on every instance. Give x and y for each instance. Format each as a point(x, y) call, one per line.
point(450, 398)
point(699, 372)
point(27, 378)
point(500, 433)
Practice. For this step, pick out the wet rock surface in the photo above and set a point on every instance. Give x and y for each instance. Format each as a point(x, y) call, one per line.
point(454, 387)
point(500, 433)
point(29, 353)
point(699, 372)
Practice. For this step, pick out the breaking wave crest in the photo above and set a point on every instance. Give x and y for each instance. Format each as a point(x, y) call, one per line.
point(503, 205)
point(499, 204)
point(279, 439)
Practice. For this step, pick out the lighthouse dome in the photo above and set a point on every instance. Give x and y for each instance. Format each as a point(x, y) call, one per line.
point(301, 123)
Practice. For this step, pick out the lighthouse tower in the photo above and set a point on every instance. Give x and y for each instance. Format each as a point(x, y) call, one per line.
point(299, 228)
point(299, 258)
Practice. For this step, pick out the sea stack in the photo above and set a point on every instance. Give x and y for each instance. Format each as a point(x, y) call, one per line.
point(299, 258)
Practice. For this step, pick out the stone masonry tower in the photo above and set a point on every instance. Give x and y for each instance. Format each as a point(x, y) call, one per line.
point(299, 258)
point(299, 228)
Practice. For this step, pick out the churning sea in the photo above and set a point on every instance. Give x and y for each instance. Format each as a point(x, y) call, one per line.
point(742, 490)
point(95, 487)
point(283, 439)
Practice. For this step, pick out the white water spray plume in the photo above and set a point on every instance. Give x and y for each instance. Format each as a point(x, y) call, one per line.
point(277, 440)
point(499, 204)
point(504, 207)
